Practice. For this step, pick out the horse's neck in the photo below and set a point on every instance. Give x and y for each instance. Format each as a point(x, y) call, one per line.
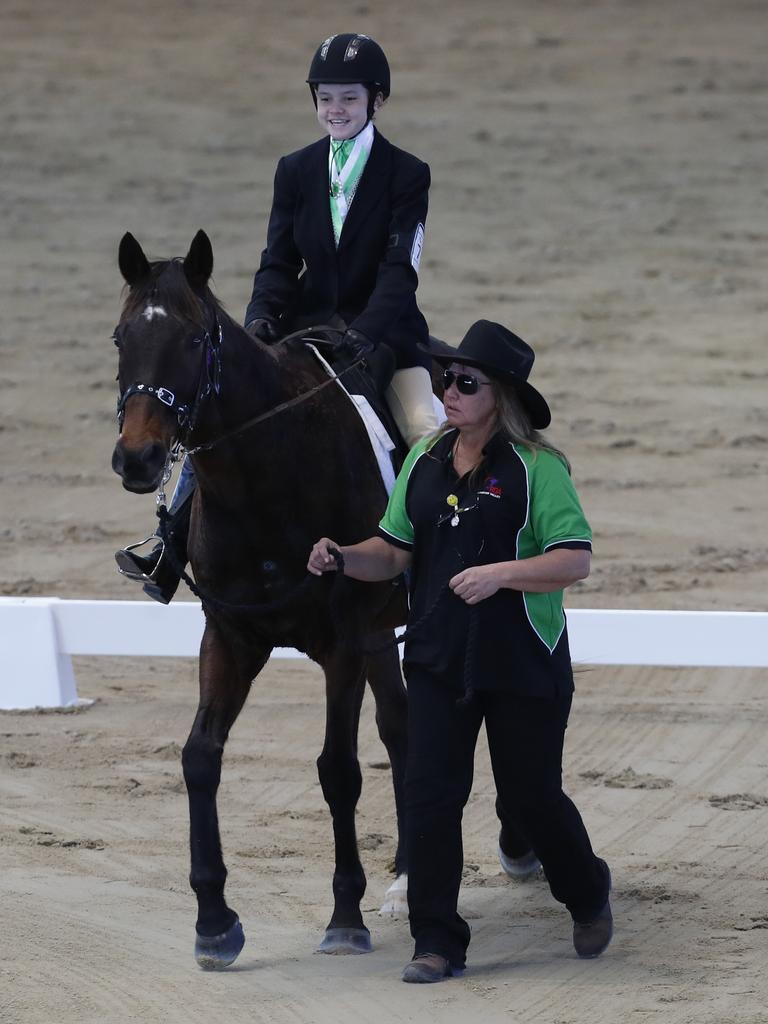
point(255, 382)
point(249, 382)
point(299, 471)
point(250, 373)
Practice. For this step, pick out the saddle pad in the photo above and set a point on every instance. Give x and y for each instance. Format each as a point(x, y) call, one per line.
point(381, 443)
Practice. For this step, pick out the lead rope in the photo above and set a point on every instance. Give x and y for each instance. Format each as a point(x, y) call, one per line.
point(469, 653)
point(214, 602)
point(209, 600)
point(469, 659)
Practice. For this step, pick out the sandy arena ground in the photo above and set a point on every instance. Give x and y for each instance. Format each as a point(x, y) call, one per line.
point(598, 185)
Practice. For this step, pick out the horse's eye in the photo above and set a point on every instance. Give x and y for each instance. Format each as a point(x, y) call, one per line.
point(116, 340)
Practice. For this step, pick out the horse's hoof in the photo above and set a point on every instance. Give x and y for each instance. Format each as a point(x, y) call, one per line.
point(341, 941)
point(396, 898)
point(213, 952)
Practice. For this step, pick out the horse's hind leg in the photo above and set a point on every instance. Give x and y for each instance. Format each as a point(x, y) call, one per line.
point(341, 781)
point(225, 679)
point(386, 682)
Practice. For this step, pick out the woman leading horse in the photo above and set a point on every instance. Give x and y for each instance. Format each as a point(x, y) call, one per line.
point(486, 518)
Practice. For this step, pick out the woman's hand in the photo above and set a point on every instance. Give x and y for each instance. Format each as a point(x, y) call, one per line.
point(476, 583)
point(370, 560)
point(540, 574)
point(320, 558)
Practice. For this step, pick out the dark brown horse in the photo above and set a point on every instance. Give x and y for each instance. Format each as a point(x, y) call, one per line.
point(189, 375)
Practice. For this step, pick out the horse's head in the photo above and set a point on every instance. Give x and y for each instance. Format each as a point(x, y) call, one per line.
point(164, 339)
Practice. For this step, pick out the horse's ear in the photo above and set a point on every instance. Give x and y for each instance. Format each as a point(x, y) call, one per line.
point(198, 263)
point(134, 265)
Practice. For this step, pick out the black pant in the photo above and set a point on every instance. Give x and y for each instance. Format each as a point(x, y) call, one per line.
point(525, 739)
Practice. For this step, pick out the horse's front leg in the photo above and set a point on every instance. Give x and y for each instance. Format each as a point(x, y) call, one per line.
point(386, 682)
point(341, 781)
point(225, 679)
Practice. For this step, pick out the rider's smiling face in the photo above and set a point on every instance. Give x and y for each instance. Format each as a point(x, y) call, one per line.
point(342, 110)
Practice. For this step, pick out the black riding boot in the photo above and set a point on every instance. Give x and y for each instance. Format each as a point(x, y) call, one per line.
point(160, 577)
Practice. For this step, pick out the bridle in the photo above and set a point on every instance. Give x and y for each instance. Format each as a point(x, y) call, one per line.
point(209, 381)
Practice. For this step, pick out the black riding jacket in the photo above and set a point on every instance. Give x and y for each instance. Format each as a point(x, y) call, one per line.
point(370, 281)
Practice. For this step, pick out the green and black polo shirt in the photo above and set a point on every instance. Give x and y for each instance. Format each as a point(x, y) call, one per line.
point(523, 505)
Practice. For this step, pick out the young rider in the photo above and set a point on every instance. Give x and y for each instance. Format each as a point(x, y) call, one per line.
point(344, 243)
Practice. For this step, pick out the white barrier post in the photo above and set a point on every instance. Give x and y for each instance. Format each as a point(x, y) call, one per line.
point(34, 670)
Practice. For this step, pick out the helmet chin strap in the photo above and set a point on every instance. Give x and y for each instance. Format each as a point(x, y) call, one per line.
point(373, 95)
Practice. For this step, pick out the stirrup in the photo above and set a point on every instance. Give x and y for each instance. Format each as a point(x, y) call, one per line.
point(127, 566)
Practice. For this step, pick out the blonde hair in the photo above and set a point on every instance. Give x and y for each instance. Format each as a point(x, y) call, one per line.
point(515, 423)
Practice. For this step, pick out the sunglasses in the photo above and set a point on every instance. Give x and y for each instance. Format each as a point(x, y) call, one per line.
point(465, 384)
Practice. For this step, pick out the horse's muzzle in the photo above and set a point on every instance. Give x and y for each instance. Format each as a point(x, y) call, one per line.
point(141, 469)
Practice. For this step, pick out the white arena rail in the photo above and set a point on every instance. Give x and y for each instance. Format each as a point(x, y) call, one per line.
point(39, 635)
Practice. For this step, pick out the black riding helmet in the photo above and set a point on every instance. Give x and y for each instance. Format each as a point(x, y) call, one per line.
point(347, 59)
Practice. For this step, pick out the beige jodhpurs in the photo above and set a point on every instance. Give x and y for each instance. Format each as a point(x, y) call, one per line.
point(409, 397)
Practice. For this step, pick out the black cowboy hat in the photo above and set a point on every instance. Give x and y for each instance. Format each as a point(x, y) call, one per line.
point(503, 356)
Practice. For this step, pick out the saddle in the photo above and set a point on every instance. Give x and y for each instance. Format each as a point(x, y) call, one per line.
point(368, 381)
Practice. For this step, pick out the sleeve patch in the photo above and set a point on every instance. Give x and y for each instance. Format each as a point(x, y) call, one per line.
point(417, 247)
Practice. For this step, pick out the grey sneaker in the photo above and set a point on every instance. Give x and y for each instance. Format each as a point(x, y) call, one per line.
point(426, 968)
point(519, 867)
point(591, 938)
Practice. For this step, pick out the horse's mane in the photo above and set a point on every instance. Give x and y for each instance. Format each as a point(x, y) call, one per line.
point(167, 286)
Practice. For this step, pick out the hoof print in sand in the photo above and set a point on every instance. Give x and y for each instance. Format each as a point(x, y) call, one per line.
point(628, 778)
point(739, 801)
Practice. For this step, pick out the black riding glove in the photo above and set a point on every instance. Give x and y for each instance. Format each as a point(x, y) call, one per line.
point(356, 345)
point(265, 330)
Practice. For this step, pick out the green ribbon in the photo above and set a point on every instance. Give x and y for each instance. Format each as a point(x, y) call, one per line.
point(341, 151)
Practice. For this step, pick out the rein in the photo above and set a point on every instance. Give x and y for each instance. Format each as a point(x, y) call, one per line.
point(215, 602)
point(288, 404)
point(210, 380)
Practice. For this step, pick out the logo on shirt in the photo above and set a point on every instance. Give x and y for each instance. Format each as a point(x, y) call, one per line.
point(492, 488)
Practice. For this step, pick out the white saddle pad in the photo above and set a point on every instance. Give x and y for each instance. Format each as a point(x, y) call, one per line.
point(381, 443)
